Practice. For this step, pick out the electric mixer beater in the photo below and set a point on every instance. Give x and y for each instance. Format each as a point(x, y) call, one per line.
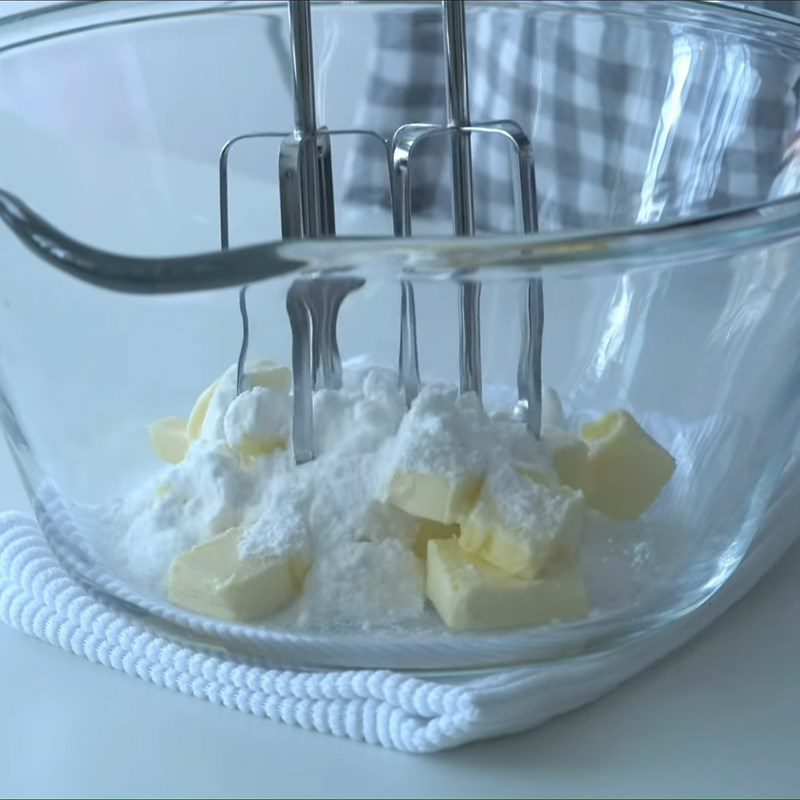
point(308, 211)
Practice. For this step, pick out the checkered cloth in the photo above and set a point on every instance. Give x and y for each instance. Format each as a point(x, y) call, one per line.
point(626, 128)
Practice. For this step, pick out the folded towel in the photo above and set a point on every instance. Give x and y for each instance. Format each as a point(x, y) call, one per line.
point(397, 710)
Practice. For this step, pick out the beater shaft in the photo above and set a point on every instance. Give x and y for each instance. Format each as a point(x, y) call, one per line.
point(307, 209)
point(457, 94)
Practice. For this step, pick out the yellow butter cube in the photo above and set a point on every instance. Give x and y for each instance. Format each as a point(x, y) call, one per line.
point(221, 393)
point(439, 498)
point(300, 564)
point(169, 439)
point(522, 526)
point(471, 594)
point(432, 530)
point(553, 417)
point(536, 474)
point(211, 579)
point(626, 468)
point(199, 411)
point(258, 421)
point(437, 464)
point(254, 447)
point(268, 375)
point(569, 462)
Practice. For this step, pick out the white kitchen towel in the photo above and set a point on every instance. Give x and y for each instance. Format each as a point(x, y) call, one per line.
point(392, 709)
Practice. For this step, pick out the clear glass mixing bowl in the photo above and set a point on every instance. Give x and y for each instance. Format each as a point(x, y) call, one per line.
point(668, 251)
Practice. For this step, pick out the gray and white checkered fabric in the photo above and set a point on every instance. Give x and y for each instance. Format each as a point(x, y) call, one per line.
point(624, 130)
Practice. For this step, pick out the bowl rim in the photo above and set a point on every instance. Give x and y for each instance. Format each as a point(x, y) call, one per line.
point(696, 237)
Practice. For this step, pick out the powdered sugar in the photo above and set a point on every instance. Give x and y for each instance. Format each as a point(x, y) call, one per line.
point(282, 528)
point(523, 502)
point(257, 415)
point(366, 583)
point(344, 505)
point(442, 434)
point(363, 569)
point(205, 494)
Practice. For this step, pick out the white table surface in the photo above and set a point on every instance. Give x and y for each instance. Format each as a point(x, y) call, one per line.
point(718, 718)
point(721, 717)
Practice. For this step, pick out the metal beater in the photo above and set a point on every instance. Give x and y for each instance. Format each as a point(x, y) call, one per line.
point(307, 211)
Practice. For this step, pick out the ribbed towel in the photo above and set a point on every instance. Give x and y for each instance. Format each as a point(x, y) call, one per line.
point(392, 709)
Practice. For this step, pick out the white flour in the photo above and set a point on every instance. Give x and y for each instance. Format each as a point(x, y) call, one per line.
point(363, 571)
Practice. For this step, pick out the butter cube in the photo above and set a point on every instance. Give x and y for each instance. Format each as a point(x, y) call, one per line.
point(625, 467)
point(198, 413)
point(209, 409)
point(471, 594)
point(268, 375)
point(169, 439)
point(432, 530)
point(569, 461)
point(258, 421)
point(211, 579)
point(522, 526)
point(536, 473)
point(439, 498)
point(437, 463)
point(552, 411)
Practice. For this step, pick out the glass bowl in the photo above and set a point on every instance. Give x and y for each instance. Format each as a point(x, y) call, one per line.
point(669, 236)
